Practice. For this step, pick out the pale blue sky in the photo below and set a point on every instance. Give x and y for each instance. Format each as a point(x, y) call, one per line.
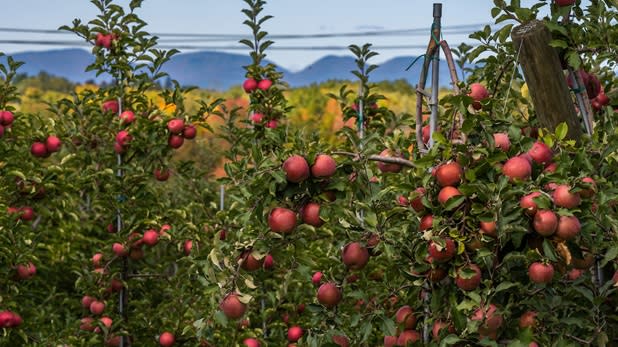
point(291, 17)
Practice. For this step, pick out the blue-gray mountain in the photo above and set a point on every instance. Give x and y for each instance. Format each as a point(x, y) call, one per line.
point(218, 70)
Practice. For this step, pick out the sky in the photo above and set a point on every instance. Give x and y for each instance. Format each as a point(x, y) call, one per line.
point(290, 17)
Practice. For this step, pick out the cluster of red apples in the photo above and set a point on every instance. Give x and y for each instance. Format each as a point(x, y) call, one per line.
point(250, 85)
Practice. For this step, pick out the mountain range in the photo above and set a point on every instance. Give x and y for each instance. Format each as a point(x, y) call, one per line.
point(220, 71)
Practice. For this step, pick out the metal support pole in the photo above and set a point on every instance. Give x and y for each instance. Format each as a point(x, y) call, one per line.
point(435, 72)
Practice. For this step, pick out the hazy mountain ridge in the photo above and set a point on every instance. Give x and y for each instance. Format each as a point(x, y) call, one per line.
point(220, 71)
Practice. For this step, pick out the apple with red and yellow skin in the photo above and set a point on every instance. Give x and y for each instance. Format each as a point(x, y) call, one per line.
point(296, 169)
point(478, 93)
point(540, 272)
point(528, 204)
point(408, 337)
point(490, 320)
point(249, 85)
point(528, 320)
point(568, 227)
point(449, 174)
point(167, 339)
point(517, 169)
point(545, 222)
point(466, 282)
point(251, 342)
point(295, 333)
point(502, 141)
point(446, 193)
point(249, 262)
point(388, 167)
point(442, 254)
point(405, 317)
point(282, 220)
point(329, 295)
point(564, 198)
point(355, 256)
point(426, 222)
point(310, 214)
point(232, 307)
point(417, 202)
point(540, 153)
point(324, 166)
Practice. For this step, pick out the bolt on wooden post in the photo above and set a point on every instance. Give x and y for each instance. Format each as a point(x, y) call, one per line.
point(543, 73)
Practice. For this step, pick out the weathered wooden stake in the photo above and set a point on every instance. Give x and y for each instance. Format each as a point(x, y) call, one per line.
point(543, 73)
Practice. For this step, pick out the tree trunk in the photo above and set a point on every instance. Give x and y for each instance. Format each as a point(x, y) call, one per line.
point(543, 73)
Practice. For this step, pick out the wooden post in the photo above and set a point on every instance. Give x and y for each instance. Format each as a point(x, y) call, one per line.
point(543, 73)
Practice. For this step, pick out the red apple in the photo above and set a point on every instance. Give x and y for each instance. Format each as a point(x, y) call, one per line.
point(551, 167)
point(588, 193)
point(232, 307)
point(151, 237)
point(25, 271)
point(489, 229)
point(52, 144)
point(540, 153)
point(272, 124)
point(127, 117)
point(123, 138)
point(478, 92)
point(468, 282)
point(564, 198)
point(264, 84)
point(310, 214)
point(426, 133)
point(295, 333)
point(38, 149)
point(355, 256)
point(85, 324)
point(426, 222)
point(161, 174)
point(103, 40)
point(249, 85)
point(97, 307)
point(167, 339)
point(329, 295)
point(257, 117)
point(388, 167)
point(442, 254)
point(249, 262)
point(568, 227)
point(316, 278)
point(251, 342)
point(120, 250)
point(490, 320)
point(187, 246)
point(502, 141)
point(446, 193)
point(296, 169)
point(528, 204)
point(6, 118)
point(438, 326)
point(175, 126)
point(175, 141)
point(517, 168)
point(527, 320)
point(189, 132)
point(449, 174)
point(390, 341)
point(110, 106)
point(545, 222)
point(341, 340)
point(417, 202)
point(402, 200)
point(269, 262)
point(323, 166)
point(574, 274)
point(405, 317)
point(96, 259)
point(540, 272)
point(408, 337)
point(282, 220)
point(86, 301)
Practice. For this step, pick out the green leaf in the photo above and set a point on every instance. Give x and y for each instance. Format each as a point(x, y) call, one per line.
point(506, 285)
point(610, 255)
point(561, 130)
point(549, 251)
point(558, 43)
